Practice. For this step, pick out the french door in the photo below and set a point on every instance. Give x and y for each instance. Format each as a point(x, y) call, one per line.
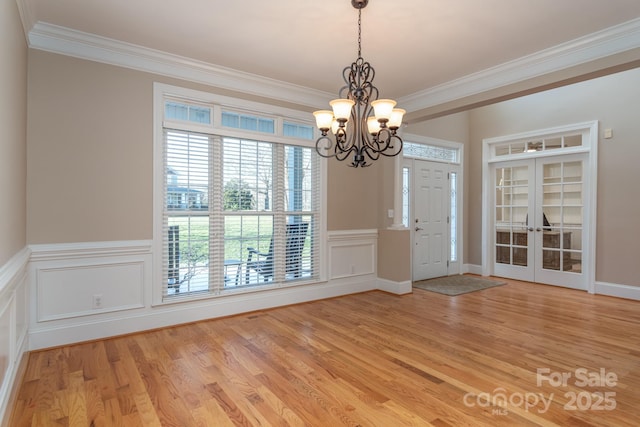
point(539, 218)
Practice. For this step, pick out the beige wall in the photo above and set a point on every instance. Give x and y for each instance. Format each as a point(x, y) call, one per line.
point(90, 156)
point(615, 102)
point(13, 122)
point(454, 127)
point(90, 151)
point(394, 255)
point(352, 196)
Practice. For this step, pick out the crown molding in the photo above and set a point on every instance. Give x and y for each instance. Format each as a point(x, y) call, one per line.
point(26, 16)
point(65, 41)
point(610, 41)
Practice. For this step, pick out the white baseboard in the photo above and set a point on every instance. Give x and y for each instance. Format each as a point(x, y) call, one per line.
point(398, 288)
point(600, 288)
point(616, 290)
point(472, 269)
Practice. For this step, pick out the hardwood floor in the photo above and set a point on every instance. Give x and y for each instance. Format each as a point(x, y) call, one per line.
point(371, 359)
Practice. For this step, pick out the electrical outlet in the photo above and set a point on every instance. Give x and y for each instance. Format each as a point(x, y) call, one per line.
point(97, 301)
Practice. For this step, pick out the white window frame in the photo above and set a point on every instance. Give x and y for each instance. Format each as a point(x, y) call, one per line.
point(163, 92)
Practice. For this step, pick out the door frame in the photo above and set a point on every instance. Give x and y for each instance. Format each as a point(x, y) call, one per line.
point(589, 131)
point(455, 267)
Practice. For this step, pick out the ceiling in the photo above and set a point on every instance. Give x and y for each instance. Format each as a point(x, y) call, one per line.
point(414, 45)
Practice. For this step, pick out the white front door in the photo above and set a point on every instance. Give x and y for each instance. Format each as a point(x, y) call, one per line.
point(539, 216)
point(430, 220)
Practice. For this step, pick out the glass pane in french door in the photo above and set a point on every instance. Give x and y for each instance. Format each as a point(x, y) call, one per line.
point(562, 216)
point(512, 204)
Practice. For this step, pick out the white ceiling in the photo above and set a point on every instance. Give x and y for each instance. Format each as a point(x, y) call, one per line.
point(414, 45)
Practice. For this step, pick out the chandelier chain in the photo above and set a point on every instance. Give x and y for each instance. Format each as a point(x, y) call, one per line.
point(359, 33)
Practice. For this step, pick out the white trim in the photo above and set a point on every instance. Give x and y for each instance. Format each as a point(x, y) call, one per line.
point(14, 308)
point(397, 288)
point(79, 325)
point(78, 44)
point(346, 235)
point(62, 251)
point(26, 17)
point(362, 248)
point(175, 314)
point(617, 290)
point(607, 42)
point(65, 41)
point(100, 324)
point(12, 269)
point(592, 176)
point(472, 269)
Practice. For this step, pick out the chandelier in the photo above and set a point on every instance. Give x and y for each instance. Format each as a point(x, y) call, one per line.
point(360, 124)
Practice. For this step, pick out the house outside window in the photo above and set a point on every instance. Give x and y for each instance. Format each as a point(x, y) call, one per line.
point(241, 197)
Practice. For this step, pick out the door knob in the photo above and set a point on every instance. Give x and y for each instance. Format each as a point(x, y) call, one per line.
point(530, 228)
point(419, 228)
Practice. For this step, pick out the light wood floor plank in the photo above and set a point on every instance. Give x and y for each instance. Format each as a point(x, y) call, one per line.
point(371, 359)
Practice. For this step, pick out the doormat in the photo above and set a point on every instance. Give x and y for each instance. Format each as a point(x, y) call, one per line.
point(456, 285)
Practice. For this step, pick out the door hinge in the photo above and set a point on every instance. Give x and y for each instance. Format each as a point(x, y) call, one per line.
point(447, 263)
point(447, 219)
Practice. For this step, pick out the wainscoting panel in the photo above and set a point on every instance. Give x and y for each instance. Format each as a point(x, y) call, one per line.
point(352, 253)
point(13, 323)
point(6, 312)
point(81, 290)
point(86, 291)
point(75, 280)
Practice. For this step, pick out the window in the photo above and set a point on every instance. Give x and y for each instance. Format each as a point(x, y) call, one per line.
point(533, 145)
point(453, 222)
point(240, 211)
point(406, 191)
point(430, 152)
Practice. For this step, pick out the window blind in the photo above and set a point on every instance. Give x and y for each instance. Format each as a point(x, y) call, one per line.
point(240, 214)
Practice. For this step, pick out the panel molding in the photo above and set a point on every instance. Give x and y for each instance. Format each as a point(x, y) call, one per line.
point(69, 251)
point(116, 272)
point(67, 268)
point(352, 253)
point(48, 288)
point(13, 319)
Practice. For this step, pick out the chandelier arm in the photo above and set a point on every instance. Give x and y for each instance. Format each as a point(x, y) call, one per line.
point(393, 145)
point(324, 145)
